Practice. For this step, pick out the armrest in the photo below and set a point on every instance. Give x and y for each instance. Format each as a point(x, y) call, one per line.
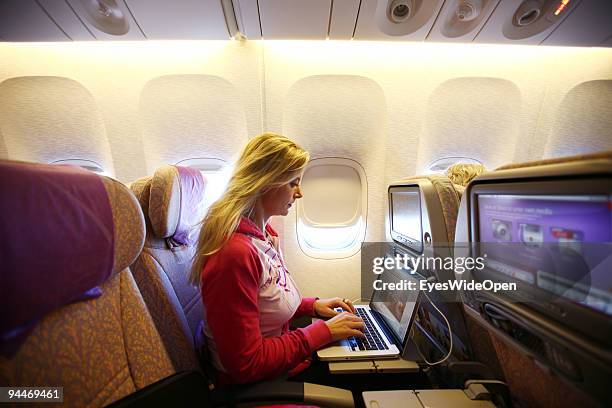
point(283, 391)
point(327, 396)
point(181, 389)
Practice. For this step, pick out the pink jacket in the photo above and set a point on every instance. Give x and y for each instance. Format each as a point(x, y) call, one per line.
point(249, 298)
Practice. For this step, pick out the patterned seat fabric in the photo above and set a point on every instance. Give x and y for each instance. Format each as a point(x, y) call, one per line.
point(102, 349)
point(450, 196)
point(172, 202)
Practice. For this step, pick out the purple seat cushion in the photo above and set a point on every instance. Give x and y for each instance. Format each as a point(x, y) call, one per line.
point(57, 243)
point(192, 197)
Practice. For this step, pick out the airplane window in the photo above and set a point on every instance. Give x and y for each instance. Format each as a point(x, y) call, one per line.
point(331, 217)
point(86, 164)
point(217, 173)
point(330, 239)
point(442, 164)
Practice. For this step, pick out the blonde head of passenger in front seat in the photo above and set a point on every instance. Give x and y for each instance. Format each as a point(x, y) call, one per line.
point(267, 161)
point(462, 173)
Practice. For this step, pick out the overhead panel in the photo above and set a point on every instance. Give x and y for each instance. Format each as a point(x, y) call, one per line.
point(180, 19)
point(588, 25)
point(247, 15)
point(525, 22)
point(343, 19)
point(396, 19)
point(294, 19)
point(64, 17)
point(107, 19)
point(25, 20)
point(460, 20)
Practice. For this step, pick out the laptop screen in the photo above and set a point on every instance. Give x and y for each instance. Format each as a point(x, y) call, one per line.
point(397, 307)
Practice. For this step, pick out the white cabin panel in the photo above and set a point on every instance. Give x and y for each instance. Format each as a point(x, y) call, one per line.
point(526, 22)
point(471, 117)
point(190, 116)
point(587, 103)
point(343, 19)
point(183, 19)
point(3, 152)
point(47, 119)
point(339, 116)
point(25, 20)
point(588, 25)
point(66, 19)
point(294, 19)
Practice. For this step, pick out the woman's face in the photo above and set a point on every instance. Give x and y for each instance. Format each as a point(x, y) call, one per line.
point(278, 200)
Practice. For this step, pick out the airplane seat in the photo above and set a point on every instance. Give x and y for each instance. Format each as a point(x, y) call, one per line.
point(441, 198)
point(553, 348)
point(171, 201)
point(172, 205)
point(449, 195)
point(586, 158)
point(439, 207)
point(72, 315)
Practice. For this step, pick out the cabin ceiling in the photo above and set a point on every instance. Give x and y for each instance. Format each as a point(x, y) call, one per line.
point(532, 22)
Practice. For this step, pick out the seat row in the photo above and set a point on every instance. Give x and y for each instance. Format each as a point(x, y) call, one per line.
point(95, 291)
point(484, 346)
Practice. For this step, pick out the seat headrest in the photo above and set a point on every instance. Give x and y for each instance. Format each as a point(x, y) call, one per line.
point(173, 199)
point(558, 160)
point(65, 231)
point(449, 197)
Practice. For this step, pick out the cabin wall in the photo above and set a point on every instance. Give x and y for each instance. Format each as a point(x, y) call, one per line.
point(392, 107)
point(119, 77)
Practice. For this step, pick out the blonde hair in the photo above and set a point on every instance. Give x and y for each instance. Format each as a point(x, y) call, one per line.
point(463, 173)
point(267, 161)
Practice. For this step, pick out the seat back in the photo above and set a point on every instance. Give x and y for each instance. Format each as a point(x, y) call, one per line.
point(546, 349)
point(172, 203)
point(64, 225)
point(439, 206)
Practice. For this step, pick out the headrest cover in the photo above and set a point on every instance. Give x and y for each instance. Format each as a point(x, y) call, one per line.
point(57, 243)
point(449, 197)
point(128, 221)
point(176, 203)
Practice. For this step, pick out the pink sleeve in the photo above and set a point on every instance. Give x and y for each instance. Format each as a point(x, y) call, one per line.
point(229, 291)
point(306, 308)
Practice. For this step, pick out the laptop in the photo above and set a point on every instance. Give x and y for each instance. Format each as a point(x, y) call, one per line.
point(388, 319)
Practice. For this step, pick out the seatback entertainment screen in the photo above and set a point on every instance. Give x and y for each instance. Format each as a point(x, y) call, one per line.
point(555, 243)
point(405, 214)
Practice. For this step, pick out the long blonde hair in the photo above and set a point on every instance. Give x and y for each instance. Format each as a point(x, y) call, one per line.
point(267, 161)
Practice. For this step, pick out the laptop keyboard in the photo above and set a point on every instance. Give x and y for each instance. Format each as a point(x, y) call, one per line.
point(372, 340)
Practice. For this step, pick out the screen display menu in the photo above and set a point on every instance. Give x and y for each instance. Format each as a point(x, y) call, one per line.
point(560, 243)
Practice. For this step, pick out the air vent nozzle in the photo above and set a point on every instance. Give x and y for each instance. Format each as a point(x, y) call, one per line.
point(527, 13)
point(400, 10)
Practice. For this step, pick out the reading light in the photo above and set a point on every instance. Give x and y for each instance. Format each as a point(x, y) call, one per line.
point(106, 16)
point(468, 10)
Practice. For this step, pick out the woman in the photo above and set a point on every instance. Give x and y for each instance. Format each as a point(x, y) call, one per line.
point(249, 296)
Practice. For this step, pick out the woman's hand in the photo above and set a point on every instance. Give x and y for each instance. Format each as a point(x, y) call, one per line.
point(325, 307)
point(345, 325)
